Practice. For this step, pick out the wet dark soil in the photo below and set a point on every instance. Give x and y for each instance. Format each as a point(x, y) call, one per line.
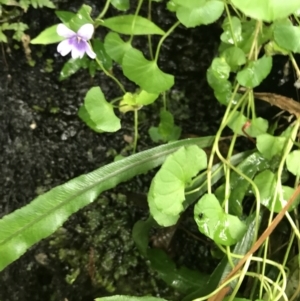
point(43, 143)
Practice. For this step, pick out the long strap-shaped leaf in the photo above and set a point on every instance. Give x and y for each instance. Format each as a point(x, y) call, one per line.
point(45, 214)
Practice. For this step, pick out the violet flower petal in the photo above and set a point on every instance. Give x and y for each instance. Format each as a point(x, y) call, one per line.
point(86, 31)
point(65, 32)
point(77, 53)
point(64, 47)
point(90, 52)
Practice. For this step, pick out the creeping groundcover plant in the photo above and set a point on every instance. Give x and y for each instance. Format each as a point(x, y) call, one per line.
point(238, 202)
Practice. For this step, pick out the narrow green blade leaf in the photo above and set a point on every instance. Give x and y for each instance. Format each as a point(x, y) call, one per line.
point(131, 24)
point(45, 214)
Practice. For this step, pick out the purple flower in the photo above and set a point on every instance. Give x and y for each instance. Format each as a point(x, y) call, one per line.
point(76, 42)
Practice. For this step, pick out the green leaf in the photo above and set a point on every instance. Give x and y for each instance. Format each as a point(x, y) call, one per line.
point(129, 298)
point(249, 33)
point(230, 26)
point(85, 116)
point(182, 279)
point(266, 184)
point(166, 193)
point(144, 98)
point(132, 25)
point(192, 13)
point(225, 267)
point(287, 36)
point(64, 16)
point(70, 68)
point(41, 3)
point(239, 185)
point(116, 47)
point(100, 112)
point(167, 130)
point(47, 36)
point(234, 57)
point(267, 10)
point(222, 87)
point(269, 146)
point(212, 221)
point(256, 71)
point(256, 126)
point(101, 53)
point(145, 73)
point(220, 68)
point(45, 214)
point(81, 17)
point(293, 162)
point(121, 4)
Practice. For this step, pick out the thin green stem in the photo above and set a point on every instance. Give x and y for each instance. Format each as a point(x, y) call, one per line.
point(110, 75)
point(230, 24)
point(149, 36)
point(295, 65)
point(134, 19)
point(104, 10)
point(136, 124)
point(163, 38)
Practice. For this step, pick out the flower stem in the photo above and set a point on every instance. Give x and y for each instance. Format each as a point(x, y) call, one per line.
point(104, 10)
point(136, 123)
point(110, 75)
point(163, 38)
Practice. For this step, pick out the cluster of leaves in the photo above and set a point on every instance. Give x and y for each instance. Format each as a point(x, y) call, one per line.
point(10, 11)
point(268, 175)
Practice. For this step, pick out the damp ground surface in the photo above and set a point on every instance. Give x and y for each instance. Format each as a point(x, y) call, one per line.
point(43, 144)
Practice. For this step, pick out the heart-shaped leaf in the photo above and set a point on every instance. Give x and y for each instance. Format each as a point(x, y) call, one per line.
point(212, 221)
point(145, 73)
point(116, 47)
point(267, 10)
point(253, 74)
point(100, 112)
point(166, 194)
point(192, 13)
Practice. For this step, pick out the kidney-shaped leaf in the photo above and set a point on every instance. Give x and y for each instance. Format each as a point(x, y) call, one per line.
point(100, 111)
point(266, 184)
point(293, 162)
point(166, 194)
point(115, 46)
point(253, 74)
point(45, 214)
point(131, 24)
point(145, 73)
point(267, 10)
point(287, 36)
point(212, 221)
point(192, 13)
